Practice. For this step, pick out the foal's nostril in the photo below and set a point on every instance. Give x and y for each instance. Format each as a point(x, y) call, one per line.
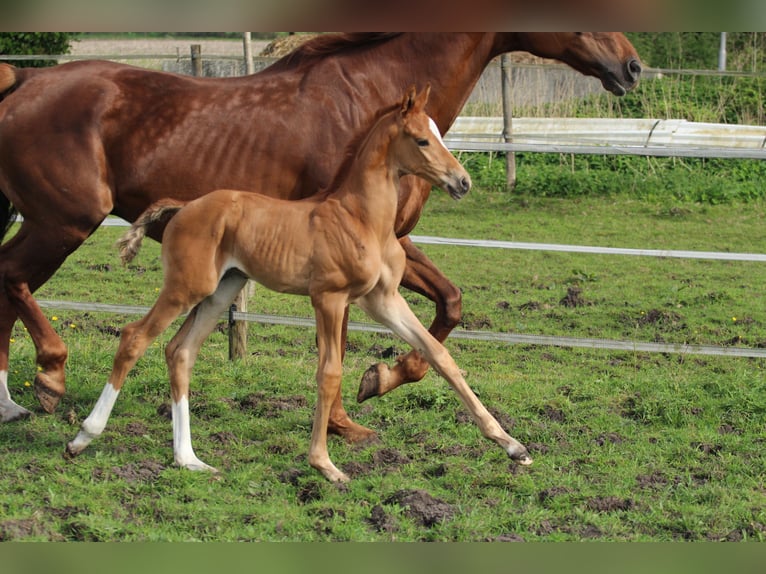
point(465, 183)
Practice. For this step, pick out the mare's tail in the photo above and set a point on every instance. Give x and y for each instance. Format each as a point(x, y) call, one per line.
point(7, 211)
point(130, 243)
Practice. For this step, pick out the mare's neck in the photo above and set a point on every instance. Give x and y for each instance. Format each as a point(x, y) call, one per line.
point(451, 62)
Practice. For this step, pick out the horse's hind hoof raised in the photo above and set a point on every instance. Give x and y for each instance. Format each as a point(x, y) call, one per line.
point(47, 396)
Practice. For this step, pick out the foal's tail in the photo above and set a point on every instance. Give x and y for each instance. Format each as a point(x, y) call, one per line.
point(130, 243)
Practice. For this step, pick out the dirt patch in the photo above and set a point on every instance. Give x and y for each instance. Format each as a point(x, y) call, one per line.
point(474, 322)
point(573, 298)
point(548, 494)
point(144, 471)
point(135, 429)
point(381, 520)
point(388, 458)
point(270, 407)
point(18, 529)
point(609, 504)
point(422, 507)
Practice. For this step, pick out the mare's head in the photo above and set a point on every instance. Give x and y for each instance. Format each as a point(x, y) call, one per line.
point(418, 148)
point(609, 56)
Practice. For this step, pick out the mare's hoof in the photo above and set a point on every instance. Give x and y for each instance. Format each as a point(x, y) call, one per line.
point(370, 385)
point(48, 397)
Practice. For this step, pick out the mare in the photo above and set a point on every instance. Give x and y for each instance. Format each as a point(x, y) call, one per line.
point(337, 249)
point(85, 139)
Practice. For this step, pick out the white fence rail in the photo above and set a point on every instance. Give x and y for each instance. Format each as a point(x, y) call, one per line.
point(646, 137)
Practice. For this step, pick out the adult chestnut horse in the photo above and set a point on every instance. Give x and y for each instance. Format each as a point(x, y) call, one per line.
point(337, 249)
point(85, 139)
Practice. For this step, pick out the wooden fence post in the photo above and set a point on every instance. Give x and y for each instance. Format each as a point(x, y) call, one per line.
point(510, 157)
point(246, 40)
point(238, 329)
point(196, 59)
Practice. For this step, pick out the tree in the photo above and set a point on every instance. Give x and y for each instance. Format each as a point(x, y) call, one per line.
point(35, 43)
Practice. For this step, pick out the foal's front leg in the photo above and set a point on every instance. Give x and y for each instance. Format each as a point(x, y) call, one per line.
point(330, 310)
point(389, 308)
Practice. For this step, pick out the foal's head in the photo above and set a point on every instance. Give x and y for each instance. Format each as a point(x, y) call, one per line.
point(419, 149)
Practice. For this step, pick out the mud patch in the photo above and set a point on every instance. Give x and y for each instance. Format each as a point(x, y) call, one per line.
point(609, 504)
point(662, 318)
point(548, 494)
point(573, 298)
point(388, 458)
point(422, 507)
point(264, 405)
point(144, 471)
point(381, 520)
point(19, 529)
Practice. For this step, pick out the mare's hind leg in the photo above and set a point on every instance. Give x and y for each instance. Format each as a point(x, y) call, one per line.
point(423, 277)
point(26, 262)
point(390, 308)
point(339, 422)
point(181, 354)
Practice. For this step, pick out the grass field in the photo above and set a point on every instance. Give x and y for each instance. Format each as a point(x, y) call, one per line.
point(627, 446)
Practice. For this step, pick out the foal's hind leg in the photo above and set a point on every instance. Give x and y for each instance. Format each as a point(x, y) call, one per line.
point(181, 354)
point(392, 310)
point(134, 340)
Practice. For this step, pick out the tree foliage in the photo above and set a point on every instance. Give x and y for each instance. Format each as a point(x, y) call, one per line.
point(35, 43)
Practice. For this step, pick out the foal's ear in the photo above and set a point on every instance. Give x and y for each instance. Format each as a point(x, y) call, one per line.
point(422, 98)
point(414, 100)
point(409, 99)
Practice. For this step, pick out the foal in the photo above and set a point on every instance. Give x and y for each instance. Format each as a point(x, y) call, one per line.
point(337, 250)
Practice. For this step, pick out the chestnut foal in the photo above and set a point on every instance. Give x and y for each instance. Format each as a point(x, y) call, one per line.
point(339, 249)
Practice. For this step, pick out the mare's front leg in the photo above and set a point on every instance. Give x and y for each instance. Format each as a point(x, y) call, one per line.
point(421, 276)
point(330, 310)
point(389, 308)
point(26, 262)
point(9, 410)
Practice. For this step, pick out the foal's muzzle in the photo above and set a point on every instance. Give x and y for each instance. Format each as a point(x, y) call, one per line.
point(459, 186)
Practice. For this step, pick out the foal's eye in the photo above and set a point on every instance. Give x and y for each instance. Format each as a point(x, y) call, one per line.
point(422, 142)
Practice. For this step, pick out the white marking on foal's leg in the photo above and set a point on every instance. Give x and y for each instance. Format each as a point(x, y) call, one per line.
point(182, 446)
point(9, 410)
point(94, 425)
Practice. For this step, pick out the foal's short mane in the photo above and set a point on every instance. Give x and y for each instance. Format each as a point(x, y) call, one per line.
point(328, 44)
point(352, 149)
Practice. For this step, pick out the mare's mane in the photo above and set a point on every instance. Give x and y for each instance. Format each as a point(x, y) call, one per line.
point(329, 44)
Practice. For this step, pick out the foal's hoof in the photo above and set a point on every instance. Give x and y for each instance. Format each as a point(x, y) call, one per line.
point(370, 385)
point(522, 457)
point(13, 412)
point(47, 396)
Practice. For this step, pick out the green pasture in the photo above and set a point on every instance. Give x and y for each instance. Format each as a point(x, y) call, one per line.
point(627, 446)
